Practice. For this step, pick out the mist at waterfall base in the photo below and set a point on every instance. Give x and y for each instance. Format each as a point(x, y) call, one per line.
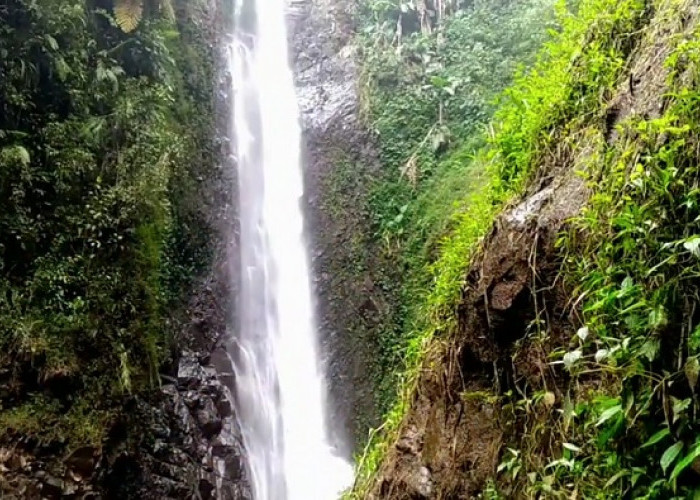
point(280, 390)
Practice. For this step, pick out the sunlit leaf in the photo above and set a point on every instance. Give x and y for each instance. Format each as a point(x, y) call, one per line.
point(650, 349)
point(571, 447)
point(128, 14)
point(549, 399)
point(685, 462)
point(166, 8)
point(571, 357)
point(17, 153)
point(658, 318)
point(679, 407)
point(692, 244)
point(582, 333)
point(51, 41)
point(608, 414)
point(617, 476)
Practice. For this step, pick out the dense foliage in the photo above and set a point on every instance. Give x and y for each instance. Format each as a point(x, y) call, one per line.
point(427, 91)
point(626, 424)
point(102, 137)
point(632, 262)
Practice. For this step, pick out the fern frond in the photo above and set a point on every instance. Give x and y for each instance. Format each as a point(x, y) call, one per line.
point(128, 14)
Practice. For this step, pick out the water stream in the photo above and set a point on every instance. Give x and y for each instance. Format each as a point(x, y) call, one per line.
point(279, 383)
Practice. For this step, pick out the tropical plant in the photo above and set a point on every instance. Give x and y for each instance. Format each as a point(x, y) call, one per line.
point(128, 13)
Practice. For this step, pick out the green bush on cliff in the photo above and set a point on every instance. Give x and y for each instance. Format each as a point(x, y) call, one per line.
point(565, 83)
point(94, 160)
point(427, 94)
point(632, 263)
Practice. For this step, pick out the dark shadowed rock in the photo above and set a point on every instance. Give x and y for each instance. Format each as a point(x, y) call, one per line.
point(52, 487)
point(82, 461)
point(209, 420)
point(224, 407)
point(206, 489)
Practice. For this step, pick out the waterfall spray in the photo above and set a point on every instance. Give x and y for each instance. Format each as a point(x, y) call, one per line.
point(279, 385)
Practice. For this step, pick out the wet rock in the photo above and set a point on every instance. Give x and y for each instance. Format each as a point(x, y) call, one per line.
point(161, 431)
point(528, 209)
point(82, 461)
point(224, 407)
point(227, 441)
point(170, 390)
point(16, 461)
point(206, 488)
point(192, 399)
point(209, 423)
point(190, 372)
point(425, 484)
point(409, 441)
point(161, 449)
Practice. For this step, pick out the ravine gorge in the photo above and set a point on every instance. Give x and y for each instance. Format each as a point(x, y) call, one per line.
point(349, 249)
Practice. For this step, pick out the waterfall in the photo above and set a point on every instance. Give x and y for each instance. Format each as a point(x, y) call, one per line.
point(279, 384)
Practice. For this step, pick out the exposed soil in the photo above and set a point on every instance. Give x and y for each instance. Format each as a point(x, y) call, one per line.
point(452, 438)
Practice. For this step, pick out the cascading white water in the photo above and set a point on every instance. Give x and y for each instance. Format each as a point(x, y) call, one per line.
point(279, 386)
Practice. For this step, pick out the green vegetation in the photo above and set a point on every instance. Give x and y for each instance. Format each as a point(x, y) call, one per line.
point(632, 261)
point(625, 426)
point(105, 130)
point(577, 68)
point(427, 94)
point(103, 136)
point(428, 97)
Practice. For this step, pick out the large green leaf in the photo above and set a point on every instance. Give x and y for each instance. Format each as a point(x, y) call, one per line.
point(658, 436)
point(670, 455)
point(686, 461)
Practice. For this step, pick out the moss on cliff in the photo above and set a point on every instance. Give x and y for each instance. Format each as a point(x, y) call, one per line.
point(426, 95)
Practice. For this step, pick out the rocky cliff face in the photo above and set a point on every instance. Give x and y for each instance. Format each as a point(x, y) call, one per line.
point(350, 303)
point(181, 441)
